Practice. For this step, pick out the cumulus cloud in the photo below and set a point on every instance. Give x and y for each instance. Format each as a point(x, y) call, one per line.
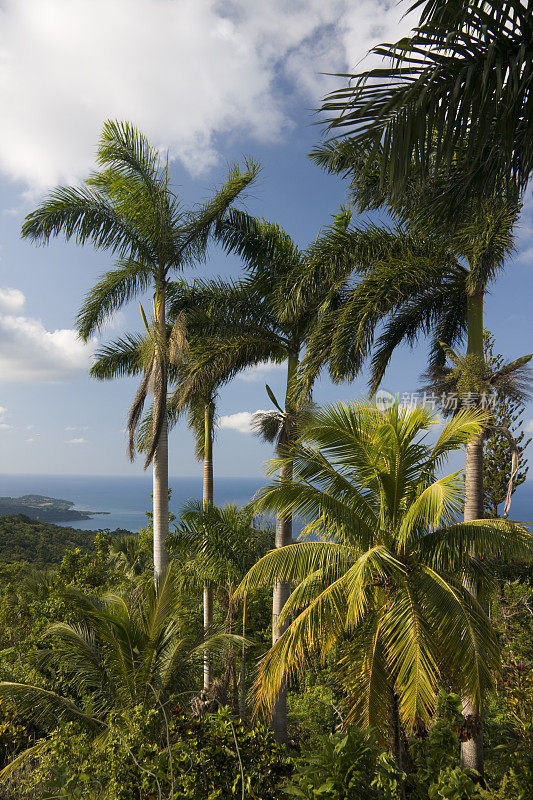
point(31, 353)
point(80, 440)
point(259, 371)
point(11, 301)
point(207, 68)
point(528, 427)
point(5, 427)
point(241, 421)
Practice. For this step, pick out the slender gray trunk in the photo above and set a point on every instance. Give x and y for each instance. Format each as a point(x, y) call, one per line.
point(160, 461)
point(280, 595)
point(160, 502)
point(208, 503)
point(474, 479)
point(282, 589)
point(472, 758)
point(472, 749)
point(208, 621)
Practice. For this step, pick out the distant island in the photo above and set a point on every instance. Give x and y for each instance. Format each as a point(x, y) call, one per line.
point(44, 509)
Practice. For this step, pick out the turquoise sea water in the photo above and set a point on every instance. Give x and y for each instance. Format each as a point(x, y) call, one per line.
point(128, 498)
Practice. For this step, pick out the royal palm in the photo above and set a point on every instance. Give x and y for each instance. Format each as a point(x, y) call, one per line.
point(128, 208)
point(455, 95)
point(425, 279)
point(257, 320)
point(134, 355)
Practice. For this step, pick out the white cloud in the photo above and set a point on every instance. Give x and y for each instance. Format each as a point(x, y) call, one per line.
point(528, 427)
point(241, 421)
point(5, 427)
point(207, 68)
point(260, 371)
point(30, 353)
point(3, 411)
point(11, 301)
point(31, 439)
point(80, 440)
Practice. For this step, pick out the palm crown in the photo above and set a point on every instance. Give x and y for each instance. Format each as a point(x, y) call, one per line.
point(422, 276)
point(122, 653)
point(455, 93)
point(129, 209)
point(384, 581)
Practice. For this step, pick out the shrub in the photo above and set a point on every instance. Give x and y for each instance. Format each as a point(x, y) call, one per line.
point(205, 759)
point(349, 767)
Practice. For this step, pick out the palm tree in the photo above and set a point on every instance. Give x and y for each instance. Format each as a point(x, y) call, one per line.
point(454, 96)
point(201, 413)
point(121, 654)
point(133, 355)
point(424, 281)
point(252, 322)
point(129, 209)
point(220, 545)
point(200, 405)
point(384, 583)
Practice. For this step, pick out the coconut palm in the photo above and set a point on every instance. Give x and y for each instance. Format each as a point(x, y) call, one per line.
point(129, 209)
point(384, 583)
point(218, 546)
point(455, 95)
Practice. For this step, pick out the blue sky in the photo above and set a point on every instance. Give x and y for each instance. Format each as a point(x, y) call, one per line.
point(209, 81)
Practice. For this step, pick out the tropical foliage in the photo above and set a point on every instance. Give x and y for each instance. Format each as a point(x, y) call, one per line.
point(391, 643)
point(384, 583)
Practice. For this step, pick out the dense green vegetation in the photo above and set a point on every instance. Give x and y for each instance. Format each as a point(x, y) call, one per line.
point(387, 654)
point(103, 675)
point(40, 543)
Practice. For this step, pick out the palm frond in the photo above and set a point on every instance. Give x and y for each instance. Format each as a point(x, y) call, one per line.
point(115, 288)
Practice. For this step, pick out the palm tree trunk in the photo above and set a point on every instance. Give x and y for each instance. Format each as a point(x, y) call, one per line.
point(160, 463)
point(280, 595)
point(282, 589)
point(243, 710)
point(472, 748)
point(397, 747)
point(208, 503)
point(242, 687)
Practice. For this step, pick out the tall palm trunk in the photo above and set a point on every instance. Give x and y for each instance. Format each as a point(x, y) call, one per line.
point(472, 749)
point(160, 463)
point(243, 710)
point(209, 412)
point(397, 746)
point(282, 589)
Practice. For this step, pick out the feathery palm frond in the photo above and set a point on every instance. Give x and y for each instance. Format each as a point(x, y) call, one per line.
point(385, 583)
point(456, 91)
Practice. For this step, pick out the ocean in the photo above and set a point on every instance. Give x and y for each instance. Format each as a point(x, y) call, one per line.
point(125, 498)
point(128, 498)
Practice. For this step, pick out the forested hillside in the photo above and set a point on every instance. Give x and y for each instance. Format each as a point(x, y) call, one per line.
point(39, 543)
